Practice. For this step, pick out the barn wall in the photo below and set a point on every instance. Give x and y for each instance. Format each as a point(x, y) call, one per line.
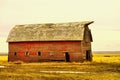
point(86, 46)
point(50, 51)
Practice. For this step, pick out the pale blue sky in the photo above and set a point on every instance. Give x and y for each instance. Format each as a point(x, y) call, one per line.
point(105, 13)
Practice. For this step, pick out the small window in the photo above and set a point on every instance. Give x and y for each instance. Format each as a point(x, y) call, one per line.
point(51, 53)
point(39, 53)
point(27, 53)
point(15, 53)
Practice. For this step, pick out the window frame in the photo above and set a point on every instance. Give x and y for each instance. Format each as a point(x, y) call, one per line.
point(39, 53)
point(51, 53)
point(27, 53)
point(15, 53)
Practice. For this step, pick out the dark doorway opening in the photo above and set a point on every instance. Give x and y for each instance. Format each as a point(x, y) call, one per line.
point(88, 57)
point(67, 57)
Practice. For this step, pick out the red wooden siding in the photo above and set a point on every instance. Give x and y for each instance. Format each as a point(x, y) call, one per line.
point(50, 50)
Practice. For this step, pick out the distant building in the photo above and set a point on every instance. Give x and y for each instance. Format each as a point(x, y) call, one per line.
point(51, 42)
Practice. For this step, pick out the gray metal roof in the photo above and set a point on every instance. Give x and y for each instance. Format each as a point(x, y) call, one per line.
point(48, 32)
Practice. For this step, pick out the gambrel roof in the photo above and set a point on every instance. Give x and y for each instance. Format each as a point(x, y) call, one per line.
point(49, 32)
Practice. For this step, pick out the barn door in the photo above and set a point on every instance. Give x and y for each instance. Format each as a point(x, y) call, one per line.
point(88, 57)
point(67, 57)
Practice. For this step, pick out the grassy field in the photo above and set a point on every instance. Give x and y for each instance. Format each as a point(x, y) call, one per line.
point(103, 67)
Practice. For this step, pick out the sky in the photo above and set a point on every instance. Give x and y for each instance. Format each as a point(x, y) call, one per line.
point(104, 13)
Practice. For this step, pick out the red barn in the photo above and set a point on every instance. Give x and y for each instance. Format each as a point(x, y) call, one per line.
point(51, 42)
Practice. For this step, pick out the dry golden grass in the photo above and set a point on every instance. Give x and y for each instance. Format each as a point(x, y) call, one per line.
point(107, 58)
point(103, 67)
point(3, 58)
